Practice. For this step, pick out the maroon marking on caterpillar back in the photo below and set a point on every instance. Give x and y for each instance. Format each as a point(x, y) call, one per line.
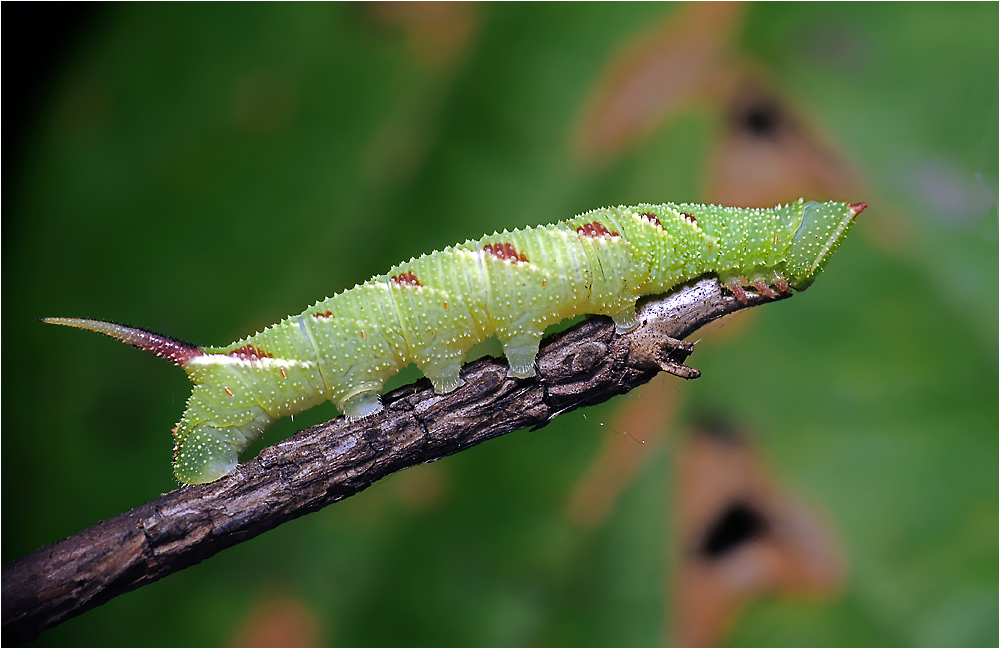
point(505, 251)
point(249, 353)
point(595, 229)
point(407, 279)
point(652, 218)
point(177, 351)
point(689, 217)
point(325, 314)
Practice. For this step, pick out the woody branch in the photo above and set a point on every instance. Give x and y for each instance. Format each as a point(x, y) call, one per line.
point(584, 365)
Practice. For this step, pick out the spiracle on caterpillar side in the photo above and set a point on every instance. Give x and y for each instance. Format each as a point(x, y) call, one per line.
point(512, 285)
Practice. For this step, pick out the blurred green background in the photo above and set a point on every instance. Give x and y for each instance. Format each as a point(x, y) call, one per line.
point(204, 170)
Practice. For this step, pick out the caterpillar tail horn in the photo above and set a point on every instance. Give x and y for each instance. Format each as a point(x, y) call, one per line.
point(177, 351)
point(203, 449)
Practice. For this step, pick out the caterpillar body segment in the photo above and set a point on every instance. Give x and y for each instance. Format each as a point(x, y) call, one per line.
point(431, 310)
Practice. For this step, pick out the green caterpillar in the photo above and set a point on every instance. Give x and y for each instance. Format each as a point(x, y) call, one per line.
point(433, 309)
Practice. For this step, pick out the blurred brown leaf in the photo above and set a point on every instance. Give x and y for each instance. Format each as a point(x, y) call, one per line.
point(279, 622)
point(767, 153)
point(741, 535)
point(656, 76)
point(436, 32)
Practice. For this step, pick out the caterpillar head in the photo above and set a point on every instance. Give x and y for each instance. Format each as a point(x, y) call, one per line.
point(823, 227)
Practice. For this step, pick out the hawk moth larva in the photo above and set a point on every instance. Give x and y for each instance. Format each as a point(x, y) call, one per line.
point(431, 310)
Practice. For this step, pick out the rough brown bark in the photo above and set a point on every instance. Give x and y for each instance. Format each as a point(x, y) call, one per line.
point(584, 365)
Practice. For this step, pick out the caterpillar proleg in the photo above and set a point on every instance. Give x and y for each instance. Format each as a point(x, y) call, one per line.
point(431, 310)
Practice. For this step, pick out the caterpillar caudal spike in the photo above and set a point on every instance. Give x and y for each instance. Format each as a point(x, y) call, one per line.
point(166, 347)
point(431, 310)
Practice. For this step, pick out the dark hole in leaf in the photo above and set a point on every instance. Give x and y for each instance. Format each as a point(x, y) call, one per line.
point(738, 525)
point(720, 430)
point(760, 119)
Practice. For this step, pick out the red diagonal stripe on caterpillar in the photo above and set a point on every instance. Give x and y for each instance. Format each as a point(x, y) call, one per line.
point(406, 278)
point(505, 251)
point(249, 353)
point(596, 229)
point(652, 218)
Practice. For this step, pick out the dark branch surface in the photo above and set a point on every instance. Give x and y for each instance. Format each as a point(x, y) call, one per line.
point(584, 365)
